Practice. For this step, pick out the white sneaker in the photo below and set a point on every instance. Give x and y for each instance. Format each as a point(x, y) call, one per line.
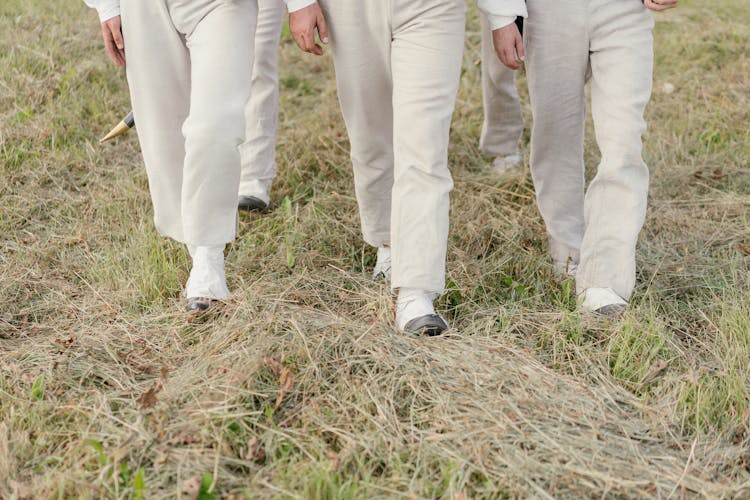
point(382, 270)
point(509, 163)
point(602, 301)
point(254, 195)
point(415, 312)
point(207, 277)
point(565, 270)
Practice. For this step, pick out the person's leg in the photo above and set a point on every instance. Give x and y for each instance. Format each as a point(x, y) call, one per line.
point(622, 65)
point(219, 37)
point(360, 40)
point(158, 72)
point(557, 51)
point(427, 47)
point(221, 55)
point(503, 120)
point(262, 111)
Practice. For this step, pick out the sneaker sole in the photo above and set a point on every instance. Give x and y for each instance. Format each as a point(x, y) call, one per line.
point(200, 307)
point(431, 325)
point(252, 204)
point(611, 311)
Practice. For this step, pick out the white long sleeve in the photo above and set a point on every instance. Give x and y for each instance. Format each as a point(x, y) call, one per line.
point(501, 13)
point(292, 5)
point(107, 9)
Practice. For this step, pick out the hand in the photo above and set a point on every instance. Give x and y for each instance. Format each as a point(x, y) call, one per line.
point(303, 23)
point(660, 4)
point(509, 45)
point(113, 42)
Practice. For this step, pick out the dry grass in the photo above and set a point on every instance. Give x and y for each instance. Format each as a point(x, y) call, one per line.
point(302, 388)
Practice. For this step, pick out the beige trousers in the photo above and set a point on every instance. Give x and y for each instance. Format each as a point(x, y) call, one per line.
point(398, 65)
point(189, 68)
point(567, 40)
point(258, 152)
point(503, 120)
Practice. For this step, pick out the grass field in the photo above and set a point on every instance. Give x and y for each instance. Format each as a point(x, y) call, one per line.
point(303, 388)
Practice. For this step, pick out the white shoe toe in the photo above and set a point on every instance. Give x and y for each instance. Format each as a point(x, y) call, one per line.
point(412, 304)
point(602, 301)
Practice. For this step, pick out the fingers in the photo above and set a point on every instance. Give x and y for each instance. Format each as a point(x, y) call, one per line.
point(314, 48)
point(520, 52)
point(303, 24)
point(299, 39)
point(509, 46)
point(503, 55)
point(510, 59)
point(663, 4)
point(117, 35)
point(322, 28)
point(660, 4)
point(114, 44)
point(306, 42)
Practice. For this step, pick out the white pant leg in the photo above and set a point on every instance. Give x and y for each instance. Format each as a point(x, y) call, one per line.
point(503, 120)
point(615, 208)
point(428, 41)
point(221, 55)
point(397, 70)
point(258, 152)
point(557, 47)
point(189, 66)
point(361, 43)
point(160, 105)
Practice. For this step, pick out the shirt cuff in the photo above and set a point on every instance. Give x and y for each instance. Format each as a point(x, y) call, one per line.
point(497, 22)
point(292, 5)
point(107, 12)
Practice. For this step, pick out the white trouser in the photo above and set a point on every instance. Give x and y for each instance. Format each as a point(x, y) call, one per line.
point(566, 40)
point(503, 120)
point(189, 70)
point(262, 111)
point(398, 66)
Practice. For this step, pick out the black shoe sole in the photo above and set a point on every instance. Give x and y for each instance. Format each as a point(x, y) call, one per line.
point(198, 307)
point(431, 325)
point(252, 203)
point(612, 310)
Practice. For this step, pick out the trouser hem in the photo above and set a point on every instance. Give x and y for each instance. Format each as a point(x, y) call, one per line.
point(378, 240)
point(561, 252)
point(428, 286)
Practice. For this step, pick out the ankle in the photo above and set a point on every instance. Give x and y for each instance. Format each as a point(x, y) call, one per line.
point(384, 253)
point(206, 251)
point(408, 294)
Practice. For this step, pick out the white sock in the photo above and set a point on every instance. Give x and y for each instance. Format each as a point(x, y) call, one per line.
point(207, 277)
point(506, 163)
point(564, 270)
point(383, 264)
point(413, 303)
